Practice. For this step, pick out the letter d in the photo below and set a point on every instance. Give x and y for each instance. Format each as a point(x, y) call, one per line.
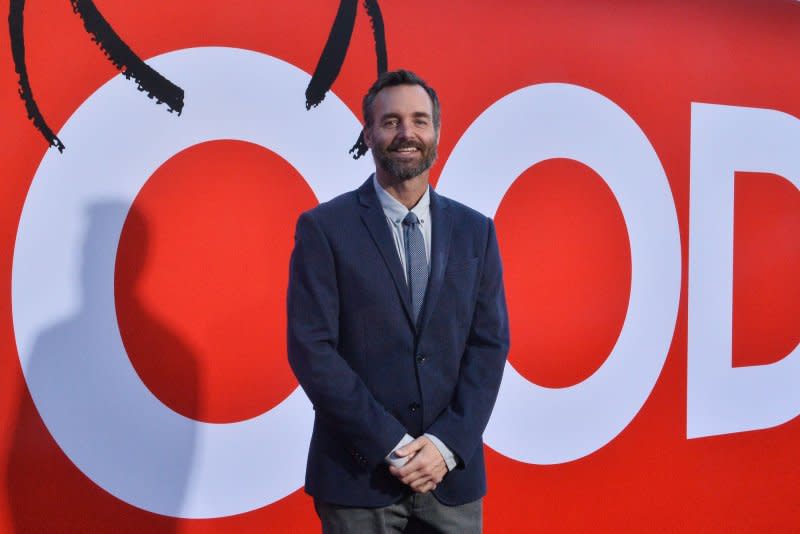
point(722, 399)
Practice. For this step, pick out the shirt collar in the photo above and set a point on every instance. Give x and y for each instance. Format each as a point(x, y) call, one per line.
point(395, 210)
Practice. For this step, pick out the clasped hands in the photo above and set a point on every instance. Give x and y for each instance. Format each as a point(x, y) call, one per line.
point(425, 467)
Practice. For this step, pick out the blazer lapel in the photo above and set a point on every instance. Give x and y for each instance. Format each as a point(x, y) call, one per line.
point(440, 247)
point(375, 221)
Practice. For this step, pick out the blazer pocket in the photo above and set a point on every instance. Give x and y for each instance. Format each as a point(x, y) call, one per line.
point(460, 266)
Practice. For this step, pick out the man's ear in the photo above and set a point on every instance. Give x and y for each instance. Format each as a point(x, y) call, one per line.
point(367, 137)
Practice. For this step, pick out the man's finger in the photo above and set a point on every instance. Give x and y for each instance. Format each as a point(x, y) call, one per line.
point(414, 476)
point(429, 486)
point(407, 474)
point(412, 465)
point(423, 472)
point(411, 448)
point(405, 477)
point(436, 475)
point(426, 459)
point(420, 482)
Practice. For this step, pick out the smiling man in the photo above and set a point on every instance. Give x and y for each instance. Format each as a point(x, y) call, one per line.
point(398, 333)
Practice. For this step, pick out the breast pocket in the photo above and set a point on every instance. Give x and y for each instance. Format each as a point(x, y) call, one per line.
point(458, 291)
point(461, 266)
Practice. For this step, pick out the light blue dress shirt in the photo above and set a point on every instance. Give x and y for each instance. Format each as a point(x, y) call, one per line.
point(395, 212)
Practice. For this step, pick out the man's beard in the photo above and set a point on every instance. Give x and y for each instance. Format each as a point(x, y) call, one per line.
point(405, 170)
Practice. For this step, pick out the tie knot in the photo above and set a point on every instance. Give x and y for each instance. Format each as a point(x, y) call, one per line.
point(410, 219)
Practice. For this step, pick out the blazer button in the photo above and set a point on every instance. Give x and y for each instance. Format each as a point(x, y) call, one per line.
point(413, 407)
point(421, 358)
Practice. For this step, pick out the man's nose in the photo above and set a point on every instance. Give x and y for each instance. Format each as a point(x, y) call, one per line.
point(403, 130)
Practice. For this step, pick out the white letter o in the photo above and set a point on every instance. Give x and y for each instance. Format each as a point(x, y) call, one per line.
point(541, 425)
point(86, 390)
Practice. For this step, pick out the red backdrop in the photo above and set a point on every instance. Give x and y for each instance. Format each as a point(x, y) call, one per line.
point(217, 351)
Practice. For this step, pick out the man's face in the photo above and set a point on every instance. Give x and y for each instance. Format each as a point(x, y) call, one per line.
point(402, 137)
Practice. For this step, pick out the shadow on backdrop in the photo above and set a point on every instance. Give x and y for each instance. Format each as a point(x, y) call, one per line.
point(46, 492)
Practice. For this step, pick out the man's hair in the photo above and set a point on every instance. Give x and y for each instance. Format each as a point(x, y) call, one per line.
point(394, 78)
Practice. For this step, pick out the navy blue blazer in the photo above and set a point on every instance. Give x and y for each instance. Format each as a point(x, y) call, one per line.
point(373, 376)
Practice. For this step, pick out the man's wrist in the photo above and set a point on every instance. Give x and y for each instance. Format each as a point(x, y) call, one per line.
point(449, 457)
point(399, 461)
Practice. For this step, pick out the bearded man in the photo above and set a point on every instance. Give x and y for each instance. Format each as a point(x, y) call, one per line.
point(398, 333)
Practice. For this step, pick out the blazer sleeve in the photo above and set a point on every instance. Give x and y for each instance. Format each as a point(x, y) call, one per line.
point(341, 399)
point(461, 425)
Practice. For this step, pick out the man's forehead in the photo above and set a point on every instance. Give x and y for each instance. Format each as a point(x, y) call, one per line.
point(405, 97)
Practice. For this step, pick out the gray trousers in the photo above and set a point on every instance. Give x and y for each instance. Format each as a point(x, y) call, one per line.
point(417, 513)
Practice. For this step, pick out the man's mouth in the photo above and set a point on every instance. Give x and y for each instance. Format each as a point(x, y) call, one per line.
point(405, 150)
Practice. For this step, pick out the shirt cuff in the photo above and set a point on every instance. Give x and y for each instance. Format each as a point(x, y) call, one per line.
point(399, 461)
point(447, 454)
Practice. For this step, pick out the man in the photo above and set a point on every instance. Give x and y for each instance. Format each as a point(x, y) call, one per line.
point(398, 333)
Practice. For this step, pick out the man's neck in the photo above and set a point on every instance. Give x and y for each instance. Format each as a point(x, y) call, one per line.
point(407, 192)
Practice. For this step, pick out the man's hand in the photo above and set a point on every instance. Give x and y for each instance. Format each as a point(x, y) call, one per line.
point(425, 469)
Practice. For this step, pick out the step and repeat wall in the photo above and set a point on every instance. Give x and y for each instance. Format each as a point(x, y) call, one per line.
point(641, 160)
